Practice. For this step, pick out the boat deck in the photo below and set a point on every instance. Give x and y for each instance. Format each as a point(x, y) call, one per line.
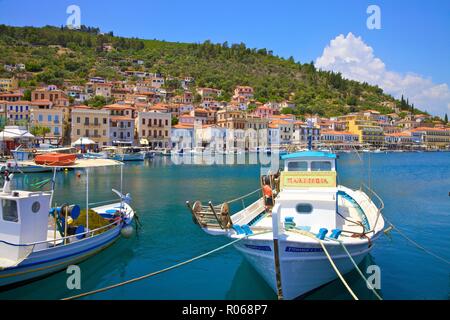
point(347, 208)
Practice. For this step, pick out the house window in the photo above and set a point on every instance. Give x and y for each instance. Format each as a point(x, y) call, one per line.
point(56, 131)
point(143, 133)
point(78, 119)
point(10, 213)
point(49, 118)
point(104, 121)
point(78, 132)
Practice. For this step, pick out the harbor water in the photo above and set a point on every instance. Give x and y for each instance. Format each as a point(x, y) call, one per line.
point(414, 186)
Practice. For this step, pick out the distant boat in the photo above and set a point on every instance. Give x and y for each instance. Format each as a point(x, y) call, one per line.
point(282, 243)
point(22, 156)
point(125, 153)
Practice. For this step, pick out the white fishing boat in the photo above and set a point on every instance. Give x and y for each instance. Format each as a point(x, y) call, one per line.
point(126, 154)
point(38, 238)
point(312, 216)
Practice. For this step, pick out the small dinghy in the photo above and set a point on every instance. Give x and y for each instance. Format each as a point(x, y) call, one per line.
point(288, 236)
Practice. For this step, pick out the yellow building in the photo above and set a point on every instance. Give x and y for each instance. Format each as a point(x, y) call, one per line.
point(367, 131)
point(90, 123)
point(44, 114)
point(8, 84)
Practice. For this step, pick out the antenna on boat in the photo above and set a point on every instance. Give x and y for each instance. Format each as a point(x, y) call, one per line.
point(310, 126)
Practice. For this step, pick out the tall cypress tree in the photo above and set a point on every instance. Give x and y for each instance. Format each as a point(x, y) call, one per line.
point(446, 118)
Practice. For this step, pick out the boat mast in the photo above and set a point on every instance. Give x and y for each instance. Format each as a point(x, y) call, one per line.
point(53, 187)
point(87, 199)
point(310, 128)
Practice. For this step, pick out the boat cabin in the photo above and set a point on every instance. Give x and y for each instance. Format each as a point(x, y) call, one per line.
point(308, 189)
point(23, 220)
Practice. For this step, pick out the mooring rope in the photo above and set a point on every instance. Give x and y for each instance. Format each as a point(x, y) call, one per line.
point(341, 277)
point(357, 268)
point(244, 196)
point(160, 271)
point(416, 244)
point(337, 270)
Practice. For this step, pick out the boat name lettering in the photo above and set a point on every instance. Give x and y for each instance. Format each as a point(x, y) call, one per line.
point(261, 248)
point(294, 249)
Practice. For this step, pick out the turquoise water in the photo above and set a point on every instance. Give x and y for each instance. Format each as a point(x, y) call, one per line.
point(414, 186)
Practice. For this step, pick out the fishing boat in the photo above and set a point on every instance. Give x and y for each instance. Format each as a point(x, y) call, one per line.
point(20, 163)
point(287, 238)
point(38, 238)
point(126, 154)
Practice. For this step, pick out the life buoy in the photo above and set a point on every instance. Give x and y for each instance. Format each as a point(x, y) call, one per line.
point(33, 150)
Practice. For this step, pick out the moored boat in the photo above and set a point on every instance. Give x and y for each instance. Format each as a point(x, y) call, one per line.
point(38, 238)
point(287, 237)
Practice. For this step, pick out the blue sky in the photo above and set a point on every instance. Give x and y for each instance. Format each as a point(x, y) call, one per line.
point(414, 36)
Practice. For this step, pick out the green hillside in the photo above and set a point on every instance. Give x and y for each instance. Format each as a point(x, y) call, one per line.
point(221, 66)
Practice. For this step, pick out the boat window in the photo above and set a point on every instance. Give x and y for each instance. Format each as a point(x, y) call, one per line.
point(10, 210)
point(304, 208)
point(320, 166)
point(298, 166)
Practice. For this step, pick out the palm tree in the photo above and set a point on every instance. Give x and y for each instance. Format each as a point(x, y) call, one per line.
point(40, 131)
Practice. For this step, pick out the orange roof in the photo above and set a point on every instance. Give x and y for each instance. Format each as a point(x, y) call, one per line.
point(39, 102)
point(117, 106)
point(20, 102)
point(183, 126)
point(81, 107)
point(430, 129)
point(119, 118)
point(337, 132)
point(399, 134)
point(280, 122)
point(11, 95)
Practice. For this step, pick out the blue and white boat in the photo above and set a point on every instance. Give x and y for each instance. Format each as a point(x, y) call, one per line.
point(310, 216)
point(38, 239)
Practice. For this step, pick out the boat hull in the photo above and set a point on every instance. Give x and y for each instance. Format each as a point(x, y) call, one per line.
point(129, 157)
point(46, 262)
point(303, 266)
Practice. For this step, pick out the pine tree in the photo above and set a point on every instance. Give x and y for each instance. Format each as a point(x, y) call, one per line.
point(446, 118)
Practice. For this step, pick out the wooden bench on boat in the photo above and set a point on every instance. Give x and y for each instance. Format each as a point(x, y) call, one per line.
point(218, 217)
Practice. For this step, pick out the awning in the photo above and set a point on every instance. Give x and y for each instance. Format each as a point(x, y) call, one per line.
point(14, 132)
point(83, 141)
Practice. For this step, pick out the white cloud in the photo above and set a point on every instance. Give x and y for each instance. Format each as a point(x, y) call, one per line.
point(356, 60)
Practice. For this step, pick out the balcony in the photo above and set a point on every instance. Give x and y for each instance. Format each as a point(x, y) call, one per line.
point(94, 125)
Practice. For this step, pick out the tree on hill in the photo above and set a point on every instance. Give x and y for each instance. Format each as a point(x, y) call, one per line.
point(446, 119)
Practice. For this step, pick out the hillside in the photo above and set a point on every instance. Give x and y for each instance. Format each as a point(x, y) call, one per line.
point(53, 54)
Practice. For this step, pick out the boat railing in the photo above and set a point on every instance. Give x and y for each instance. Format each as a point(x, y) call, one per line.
point(216, 216)
point(91, 233)
point(380, 207)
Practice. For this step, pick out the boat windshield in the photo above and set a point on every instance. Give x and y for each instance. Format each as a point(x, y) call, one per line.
point(298, 166)
point(320, 166)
